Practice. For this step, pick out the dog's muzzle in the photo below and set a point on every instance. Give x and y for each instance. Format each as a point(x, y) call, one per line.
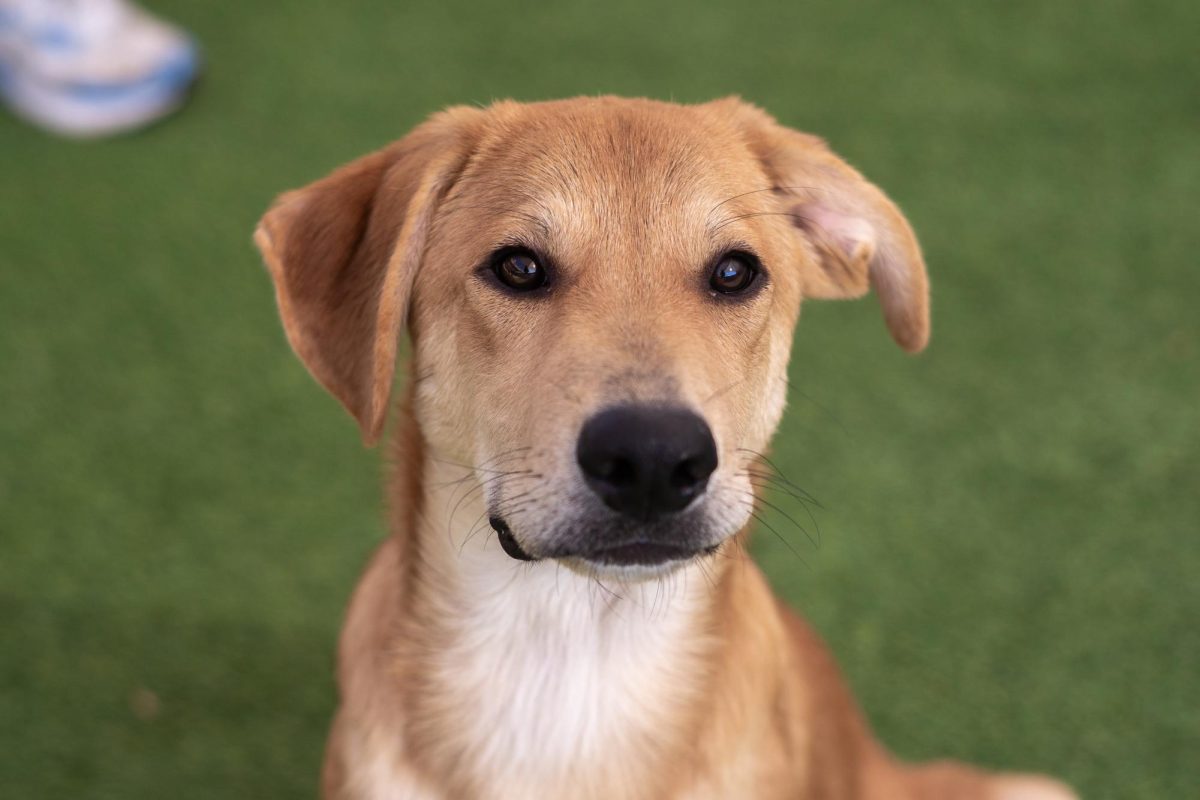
point(647, 465)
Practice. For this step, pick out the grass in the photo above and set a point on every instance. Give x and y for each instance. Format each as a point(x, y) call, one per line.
point(1010, 561)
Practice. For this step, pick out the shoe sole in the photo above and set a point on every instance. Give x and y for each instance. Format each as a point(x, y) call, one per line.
point(88, 111)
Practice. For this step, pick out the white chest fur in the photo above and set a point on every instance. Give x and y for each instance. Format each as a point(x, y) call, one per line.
point(554, 684)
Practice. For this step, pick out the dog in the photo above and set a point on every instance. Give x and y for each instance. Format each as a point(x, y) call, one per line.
point(600, 295)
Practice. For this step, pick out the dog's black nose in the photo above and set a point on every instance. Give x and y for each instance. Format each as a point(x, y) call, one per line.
point(646, 461)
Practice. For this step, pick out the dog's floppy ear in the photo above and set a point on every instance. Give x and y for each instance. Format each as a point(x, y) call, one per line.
point(857, 237)
point(343, 253)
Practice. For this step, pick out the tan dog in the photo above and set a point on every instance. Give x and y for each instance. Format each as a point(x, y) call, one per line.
point(600, 295)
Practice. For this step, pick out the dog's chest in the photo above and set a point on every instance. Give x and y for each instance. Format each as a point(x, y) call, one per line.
point(555, 686)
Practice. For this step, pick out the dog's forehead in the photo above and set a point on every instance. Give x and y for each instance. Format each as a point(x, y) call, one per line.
point(614, 140)
point(610, 167)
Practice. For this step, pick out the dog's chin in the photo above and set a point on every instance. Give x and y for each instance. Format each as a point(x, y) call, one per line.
point(632, 559)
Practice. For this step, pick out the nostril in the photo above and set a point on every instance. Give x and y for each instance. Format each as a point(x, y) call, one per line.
point(607, 468)
point(687, 475)
point(613, 470)
point(691, 474)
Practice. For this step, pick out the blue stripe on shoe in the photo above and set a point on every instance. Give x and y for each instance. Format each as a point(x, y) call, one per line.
point(174, 75)
point(55, 38)
point(87, 117)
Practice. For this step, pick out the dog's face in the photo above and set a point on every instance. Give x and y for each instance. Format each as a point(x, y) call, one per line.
point(601, 295)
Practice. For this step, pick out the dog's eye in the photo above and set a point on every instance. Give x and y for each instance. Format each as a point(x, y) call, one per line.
point(734, 273)
point(519, 270)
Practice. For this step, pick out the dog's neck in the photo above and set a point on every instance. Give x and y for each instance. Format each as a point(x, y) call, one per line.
point(529, 671)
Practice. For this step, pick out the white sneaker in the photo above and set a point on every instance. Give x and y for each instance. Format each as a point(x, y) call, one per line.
point(91, 67)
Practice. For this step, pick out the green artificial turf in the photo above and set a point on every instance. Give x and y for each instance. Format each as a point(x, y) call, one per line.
point(1009, 568)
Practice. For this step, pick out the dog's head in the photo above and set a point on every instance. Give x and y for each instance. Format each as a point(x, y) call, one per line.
point(600, 294)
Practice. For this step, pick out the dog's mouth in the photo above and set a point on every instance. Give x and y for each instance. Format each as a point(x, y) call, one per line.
point(512, 548)
point(639, 553)
point(633, 552)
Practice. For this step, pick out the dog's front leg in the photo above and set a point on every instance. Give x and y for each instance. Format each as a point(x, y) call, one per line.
point(354, 770)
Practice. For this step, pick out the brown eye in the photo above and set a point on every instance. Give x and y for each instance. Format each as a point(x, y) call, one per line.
point(520, 271)
point(734, 273)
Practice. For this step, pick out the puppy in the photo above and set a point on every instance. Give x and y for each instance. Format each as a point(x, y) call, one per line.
point(600, 294)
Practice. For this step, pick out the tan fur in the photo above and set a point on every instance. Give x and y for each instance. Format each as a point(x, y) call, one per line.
point(464, 674)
